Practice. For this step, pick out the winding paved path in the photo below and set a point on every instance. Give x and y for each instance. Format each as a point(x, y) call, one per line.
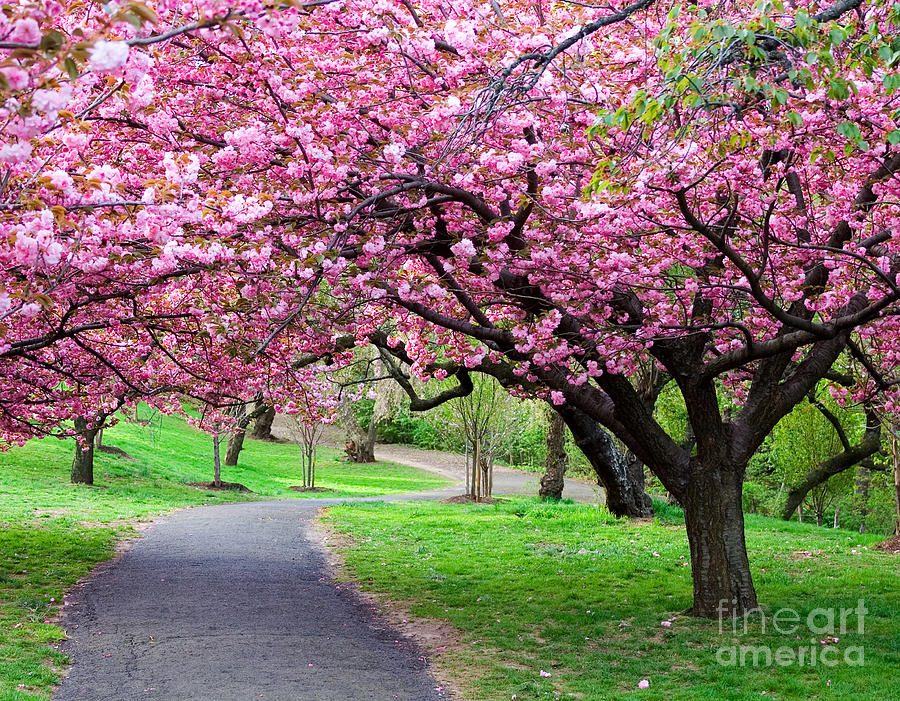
point(233, 602)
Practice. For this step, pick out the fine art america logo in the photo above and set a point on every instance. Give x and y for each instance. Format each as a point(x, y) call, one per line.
point(815, 637)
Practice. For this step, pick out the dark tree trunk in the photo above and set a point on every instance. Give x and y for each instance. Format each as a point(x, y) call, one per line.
point(263, 429)
point(235, 444)
point(625, 495)
point(553, 480)
point(715, 528)
point(83, 464)
point(236, 439)
point(851, 456)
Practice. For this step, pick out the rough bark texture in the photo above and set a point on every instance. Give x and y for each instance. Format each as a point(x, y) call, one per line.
point(625, 495)
point(715, 529)
point(553, 479)
point(83, 464)
point(236, 439)
point(360, 442)
point(262, 431)
point(235, 444)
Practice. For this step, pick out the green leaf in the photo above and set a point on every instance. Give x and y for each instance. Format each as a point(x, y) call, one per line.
point(144, 12)
point(52, 42)
point(795, 119)
point(848, 129)
point(71, 67)
point(893, 137)
point(891, 82)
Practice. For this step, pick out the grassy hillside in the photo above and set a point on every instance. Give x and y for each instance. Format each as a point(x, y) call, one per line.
point(53, 532)
point(598, 603)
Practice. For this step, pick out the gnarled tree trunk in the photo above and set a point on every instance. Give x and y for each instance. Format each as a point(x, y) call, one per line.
point(262, 431)
point(714, 519)
point(851, 456)
point(625, 494)
point(553, 479)
point(83, 464)
point(235, 445)
point(360, 442)
point(236, 439)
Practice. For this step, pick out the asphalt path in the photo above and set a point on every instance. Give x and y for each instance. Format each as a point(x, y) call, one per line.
point(234, 602)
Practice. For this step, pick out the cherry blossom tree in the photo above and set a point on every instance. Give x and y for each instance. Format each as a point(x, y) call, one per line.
point(92, 308)
point(556, 195)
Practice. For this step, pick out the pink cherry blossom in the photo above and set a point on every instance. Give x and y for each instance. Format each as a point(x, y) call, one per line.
point(108, 56)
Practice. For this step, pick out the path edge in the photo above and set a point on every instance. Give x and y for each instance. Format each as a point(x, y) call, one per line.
point(396, 617)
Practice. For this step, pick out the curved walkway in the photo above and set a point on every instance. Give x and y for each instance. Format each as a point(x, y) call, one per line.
point(236, 602)
point(506, 480)
point(233, 602)
point(453, 465)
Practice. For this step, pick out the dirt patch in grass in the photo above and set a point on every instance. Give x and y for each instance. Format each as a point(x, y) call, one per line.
point(224, 486)
point(112, 450)
point(467, 499)
point(891, 545)
point(307, 489)
point(51, 513)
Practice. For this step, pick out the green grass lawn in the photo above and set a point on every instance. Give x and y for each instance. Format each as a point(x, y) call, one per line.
point(53, 532)
point(572, 591)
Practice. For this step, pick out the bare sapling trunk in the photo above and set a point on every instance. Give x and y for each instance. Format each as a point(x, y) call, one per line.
point(476, 472)
point(837, 511)
point(715, 530)
point(217, 463)
point(307, 433)
point(83, 464)
point(553, 479)
point(309, 472)
point(468, 470)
